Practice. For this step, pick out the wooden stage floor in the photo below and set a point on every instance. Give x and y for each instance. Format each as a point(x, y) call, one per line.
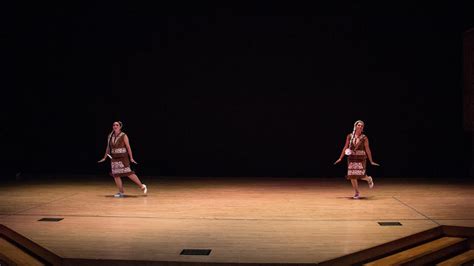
point(242, 220)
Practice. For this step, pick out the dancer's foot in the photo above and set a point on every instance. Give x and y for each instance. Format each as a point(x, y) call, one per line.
point(144, 188)
point(119, 195)
point(370, 181)
point(356, 196)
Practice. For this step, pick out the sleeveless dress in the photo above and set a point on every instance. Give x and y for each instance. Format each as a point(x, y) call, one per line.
point(120, 163)
point(356, 162)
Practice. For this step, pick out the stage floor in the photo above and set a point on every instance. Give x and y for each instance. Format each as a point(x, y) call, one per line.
point(243, 220)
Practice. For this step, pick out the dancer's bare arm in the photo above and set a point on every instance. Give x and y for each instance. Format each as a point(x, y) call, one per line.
point(129, 149)
point(369, 153)
point(107, 151)
point(346, 145)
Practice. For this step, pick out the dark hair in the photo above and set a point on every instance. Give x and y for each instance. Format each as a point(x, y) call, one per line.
point(112, 133)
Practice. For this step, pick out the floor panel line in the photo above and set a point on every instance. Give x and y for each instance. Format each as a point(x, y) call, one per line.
point(420, 213)
point(226, 219)
point(40, 205)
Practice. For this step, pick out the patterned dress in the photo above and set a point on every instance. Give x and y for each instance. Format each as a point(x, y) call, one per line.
point(356, 162)
point(120, 163)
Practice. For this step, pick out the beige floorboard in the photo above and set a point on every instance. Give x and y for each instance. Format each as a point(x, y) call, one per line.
point(230, 240)
point(291, 220)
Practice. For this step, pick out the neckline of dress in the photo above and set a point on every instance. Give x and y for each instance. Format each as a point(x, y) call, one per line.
point(115, 138)
point(359, 138)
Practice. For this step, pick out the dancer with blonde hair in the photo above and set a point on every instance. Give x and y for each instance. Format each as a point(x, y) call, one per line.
point(358, 151)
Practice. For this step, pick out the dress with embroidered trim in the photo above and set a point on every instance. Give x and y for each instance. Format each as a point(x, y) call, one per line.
point(120, 163)
point(356, 162)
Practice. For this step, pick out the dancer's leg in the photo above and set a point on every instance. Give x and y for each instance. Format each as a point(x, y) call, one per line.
point(137, 181)
point(355, 185)
point(118, 183)
point(369, 180)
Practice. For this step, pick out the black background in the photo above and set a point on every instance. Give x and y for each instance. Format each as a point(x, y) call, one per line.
point(260, 89)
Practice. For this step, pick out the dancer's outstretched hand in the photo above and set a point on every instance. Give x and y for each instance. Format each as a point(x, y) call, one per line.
point(374, 163)
point(101, 161)
point(133, 161)
point(338, 160)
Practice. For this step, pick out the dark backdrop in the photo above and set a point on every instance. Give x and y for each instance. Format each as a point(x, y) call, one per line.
point(224, 90)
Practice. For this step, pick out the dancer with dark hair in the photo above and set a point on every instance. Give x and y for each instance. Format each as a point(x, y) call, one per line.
point(357, 150)
point(118, 150)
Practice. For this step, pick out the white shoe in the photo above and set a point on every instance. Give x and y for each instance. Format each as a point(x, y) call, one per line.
point(356, 196)
point(144, 188)
point(370, 181)
point(119, 195)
